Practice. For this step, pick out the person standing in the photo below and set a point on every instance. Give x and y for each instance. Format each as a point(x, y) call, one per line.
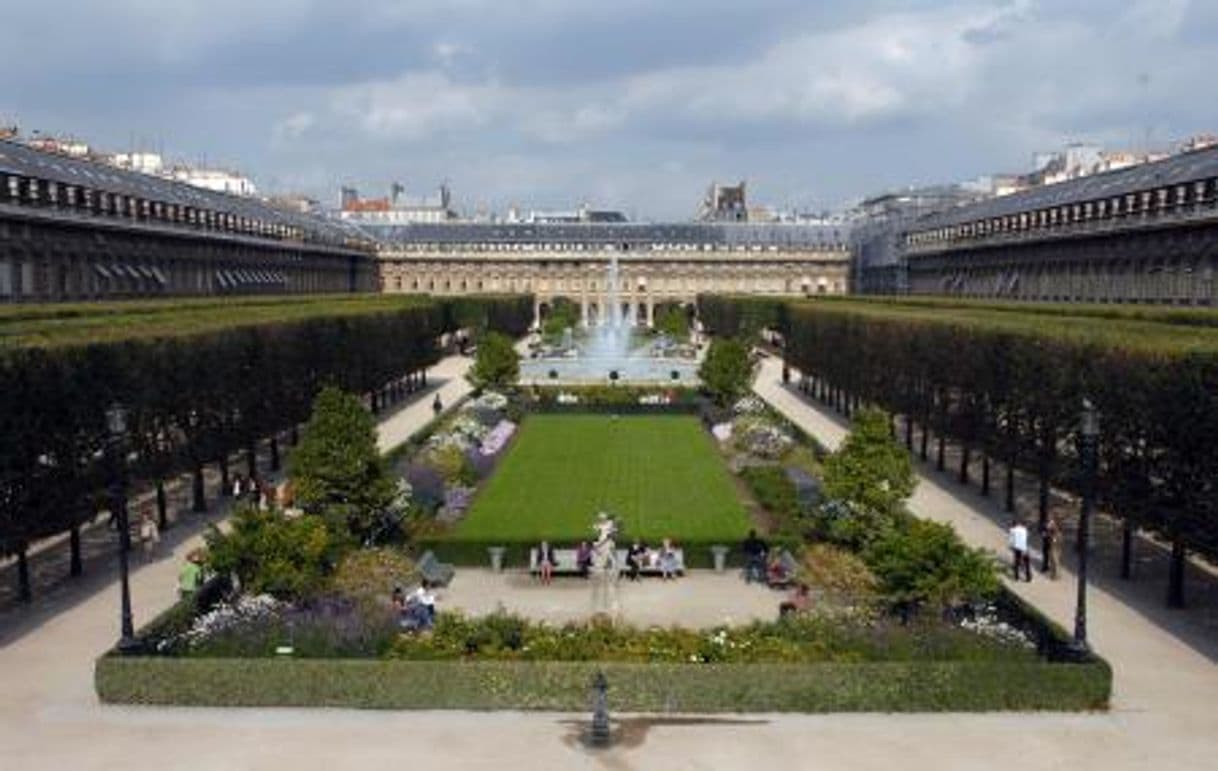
point(437, 406)
point(755, 551)
point(150, 533)
point(1053, 546)
point(1017, 539)
point(190, 577)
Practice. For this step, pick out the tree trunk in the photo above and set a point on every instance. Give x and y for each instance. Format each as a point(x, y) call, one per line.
point(75, 564)
point(940, 453)
point(274, 453)
point(925, 441)
point(199, 500)
point(251, 460)
point(225, 486)
point(1042, 502)
point(24, 594)
point(162, 505)
point(908, 433)
point(294, 436)
point(423, 373)
point(1175, 576)
point(964, 459)
point(1127, 532)
point(1009, 503)
point(985, 475)
point(892, 426)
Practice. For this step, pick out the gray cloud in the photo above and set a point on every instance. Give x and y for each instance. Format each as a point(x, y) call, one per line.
point(632, 104)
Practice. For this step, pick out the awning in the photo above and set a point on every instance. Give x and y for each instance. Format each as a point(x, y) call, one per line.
point(144, 271)
point(160, 276)
point(101, 271)
point(222, 278)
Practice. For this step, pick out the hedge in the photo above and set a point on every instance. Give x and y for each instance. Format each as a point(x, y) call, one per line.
point(200, 380)
point(563, 686)
point(1007, 383)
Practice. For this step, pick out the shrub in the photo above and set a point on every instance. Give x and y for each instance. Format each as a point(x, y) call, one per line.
point(323, 628)
point(270, 553)
point(368, 576)
point(836, 571)
point(927, 563)
point(775, 492)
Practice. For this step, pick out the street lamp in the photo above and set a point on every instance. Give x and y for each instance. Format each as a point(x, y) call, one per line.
point(116, 428)
point(1089, 434)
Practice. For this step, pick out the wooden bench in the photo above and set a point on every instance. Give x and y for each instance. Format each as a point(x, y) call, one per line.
point(433, 571)
point(565, 563)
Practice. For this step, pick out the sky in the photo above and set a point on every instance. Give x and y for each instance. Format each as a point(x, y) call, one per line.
point(628, 104)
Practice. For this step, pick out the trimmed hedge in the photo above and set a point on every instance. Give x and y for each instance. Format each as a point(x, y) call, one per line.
point(389, 684)
point(472, 553)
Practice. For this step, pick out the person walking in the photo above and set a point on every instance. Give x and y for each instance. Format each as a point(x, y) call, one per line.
point(1017, 539)
point(437, 406)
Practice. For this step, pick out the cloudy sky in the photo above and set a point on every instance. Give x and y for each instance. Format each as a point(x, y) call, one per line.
point(629, 104)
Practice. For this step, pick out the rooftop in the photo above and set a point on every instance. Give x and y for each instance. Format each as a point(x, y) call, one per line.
point(724, 233)
point(1178, 169)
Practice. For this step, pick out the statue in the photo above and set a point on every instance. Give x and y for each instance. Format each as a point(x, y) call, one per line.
point(604, 566)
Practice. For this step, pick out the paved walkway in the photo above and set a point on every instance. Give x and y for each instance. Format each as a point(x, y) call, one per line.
point(49, 718)
point(447, 379)
point(700, 599)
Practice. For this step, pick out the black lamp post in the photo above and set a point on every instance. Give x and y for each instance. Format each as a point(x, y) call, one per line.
point(116, 427)
point(600, 734)
point(1089, 434)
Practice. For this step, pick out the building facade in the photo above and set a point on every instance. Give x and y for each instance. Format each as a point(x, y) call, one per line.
point(74, 229)
point(653, 263)
point(1146, 234)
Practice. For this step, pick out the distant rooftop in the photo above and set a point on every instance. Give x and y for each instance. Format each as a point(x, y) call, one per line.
point(696, 233)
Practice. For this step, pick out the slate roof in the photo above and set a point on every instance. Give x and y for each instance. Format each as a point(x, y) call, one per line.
point(1178, 169)
point(19, 159)
point(633, 233)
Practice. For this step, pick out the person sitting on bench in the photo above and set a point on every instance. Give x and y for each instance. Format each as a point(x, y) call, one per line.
point(545, 562)
point(798, 603)
point(583, 558)
point(635, 556)
point(669, 564)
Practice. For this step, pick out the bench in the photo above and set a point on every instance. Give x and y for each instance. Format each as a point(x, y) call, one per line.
point(790, 569)
point(433, 571)
point(565, 563)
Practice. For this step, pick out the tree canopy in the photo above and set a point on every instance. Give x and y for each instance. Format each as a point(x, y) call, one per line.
point(497, 364)
point(727, 371)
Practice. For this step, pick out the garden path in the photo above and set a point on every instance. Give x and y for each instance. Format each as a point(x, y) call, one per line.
point(50, 719)
point(1164, 661)
point(702, 598)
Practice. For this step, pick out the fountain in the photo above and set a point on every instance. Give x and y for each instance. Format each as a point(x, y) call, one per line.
point(608, 354)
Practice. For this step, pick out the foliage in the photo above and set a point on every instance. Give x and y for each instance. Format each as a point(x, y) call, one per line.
point(915, 686)
point(337, 471)
point(872, 475)
point(368, 576)
point(774, 492)
point(672, 320)
point(807, 637)
point(497, 364)
point(269, 553)
point(200, 378)
point(927, 563)
point(836, 571)
point(563, 315)
point(727, 371)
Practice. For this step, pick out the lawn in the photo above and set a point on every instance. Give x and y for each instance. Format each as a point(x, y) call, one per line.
point(659, 475)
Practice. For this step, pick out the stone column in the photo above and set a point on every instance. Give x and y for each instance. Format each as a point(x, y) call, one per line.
point(583, 310)
point(536, 312)
point(651, 313)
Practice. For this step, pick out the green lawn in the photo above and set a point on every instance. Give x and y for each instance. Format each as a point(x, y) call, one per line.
point(659, 475)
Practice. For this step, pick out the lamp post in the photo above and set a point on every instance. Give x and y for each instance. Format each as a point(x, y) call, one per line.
point(1089, 434)
point(600, 734)
point(116, 428)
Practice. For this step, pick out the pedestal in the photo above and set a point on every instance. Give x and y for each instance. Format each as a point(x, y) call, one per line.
point(719, 555)
point(496, 553)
